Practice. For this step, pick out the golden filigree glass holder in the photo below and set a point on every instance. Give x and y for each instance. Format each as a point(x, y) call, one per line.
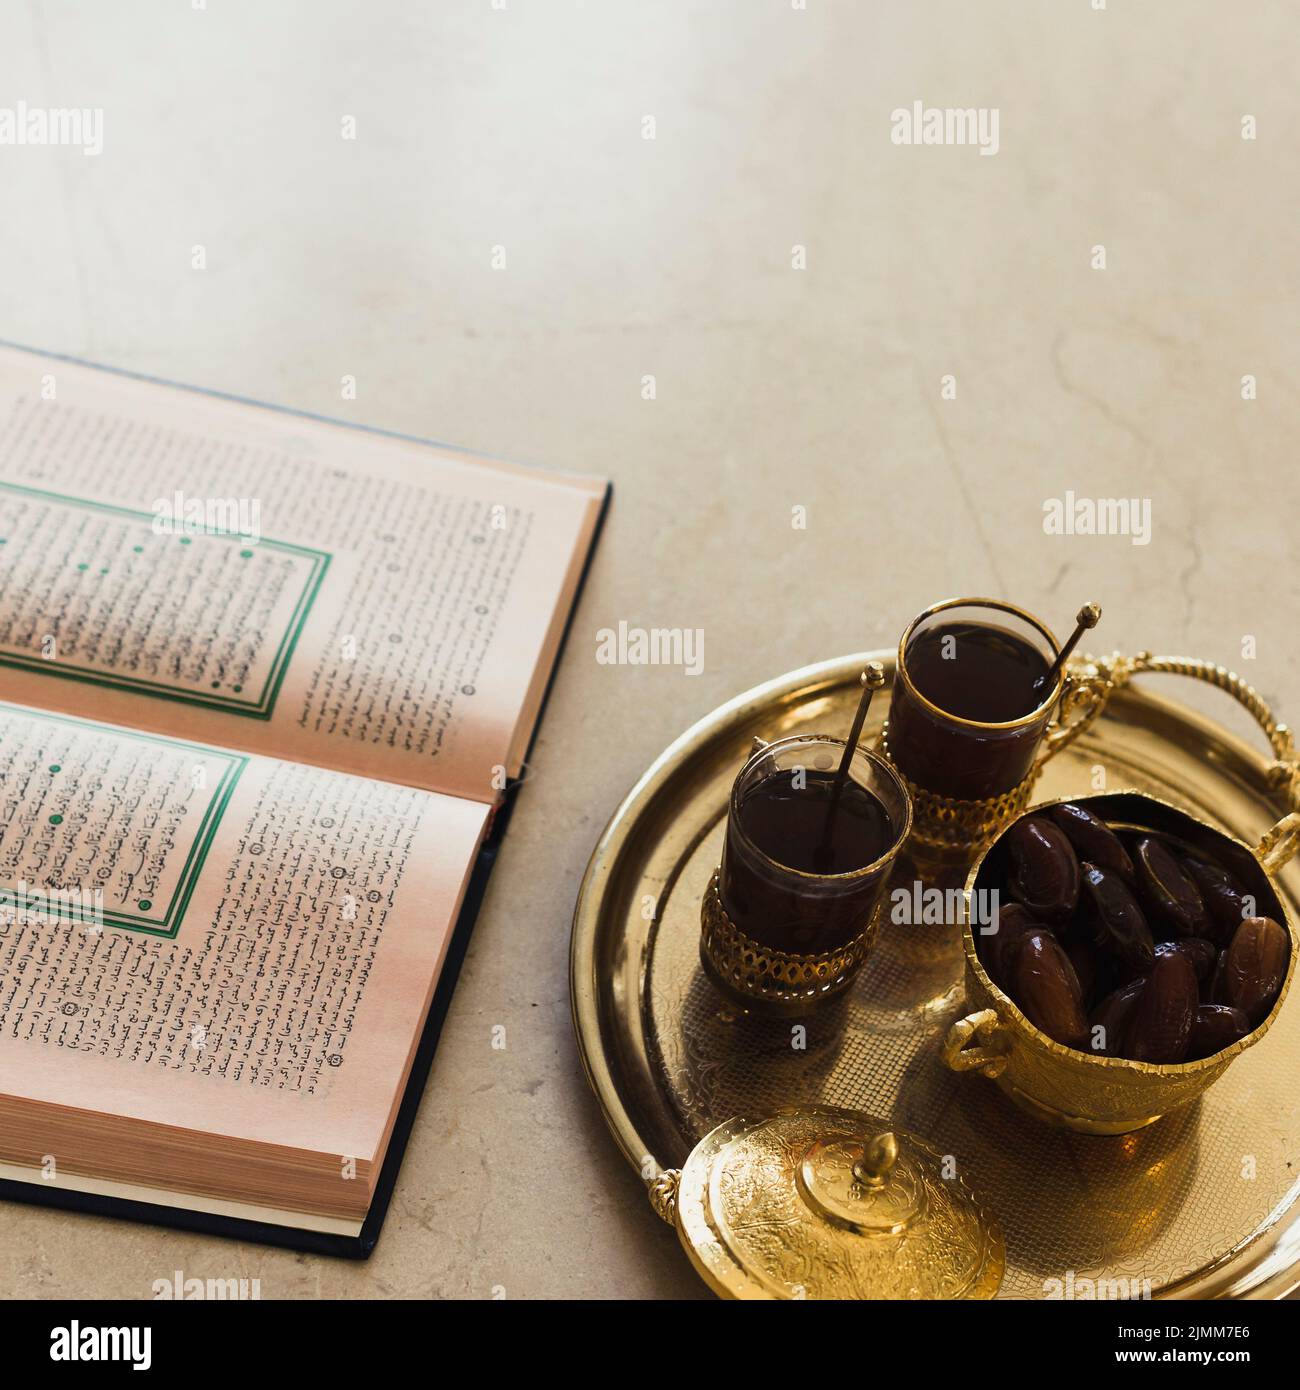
point(775, 982)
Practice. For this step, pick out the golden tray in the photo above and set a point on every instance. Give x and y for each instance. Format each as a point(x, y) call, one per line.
point(1202, 1204)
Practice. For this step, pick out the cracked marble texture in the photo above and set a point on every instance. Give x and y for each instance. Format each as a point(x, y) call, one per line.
point(776, 388)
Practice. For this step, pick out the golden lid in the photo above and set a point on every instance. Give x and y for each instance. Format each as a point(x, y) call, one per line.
point(828, 1203)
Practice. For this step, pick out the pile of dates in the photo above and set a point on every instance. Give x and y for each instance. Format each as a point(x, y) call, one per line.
point(1129, 945)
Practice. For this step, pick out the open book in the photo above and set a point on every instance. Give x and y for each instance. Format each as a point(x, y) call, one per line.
point(264, 682)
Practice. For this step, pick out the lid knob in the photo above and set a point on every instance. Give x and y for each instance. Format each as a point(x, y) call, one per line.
point(860, 1184)
point(878, 1157)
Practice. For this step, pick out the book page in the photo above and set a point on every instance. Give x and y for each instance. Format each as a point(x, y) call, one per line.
point(212, 570)
point(217, 942)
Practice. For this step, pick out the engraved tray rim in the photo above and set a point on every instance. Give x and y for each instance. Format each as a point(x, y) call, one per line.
point(607, 963)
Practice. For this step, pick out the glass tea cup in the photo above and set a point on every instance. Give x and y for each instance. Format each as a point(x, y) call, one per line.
point(966, 718)
point(793, 910)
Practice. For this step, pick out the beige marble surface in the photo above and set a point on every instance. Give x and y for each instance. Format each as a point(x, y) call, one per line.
point(521, 127)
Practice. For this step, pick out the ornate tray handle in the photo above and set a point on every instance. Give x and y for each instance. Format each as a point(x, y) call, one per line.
point(1090, 685)
point(663, 1195)
point(1279, 845)
point(982, 1027)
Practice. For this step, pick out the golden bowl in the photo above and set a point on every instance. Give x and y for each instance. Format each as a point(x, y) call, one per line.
point(1078, 1090)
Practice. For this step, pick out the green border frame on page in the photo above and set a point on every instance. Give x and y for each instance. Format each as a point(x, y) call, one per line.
point(256, 707)
point(168, 922)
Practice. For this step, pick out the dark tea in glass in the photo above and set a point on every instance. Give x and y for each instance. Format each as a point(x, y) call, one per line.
point(973, 698)
point(804, 864)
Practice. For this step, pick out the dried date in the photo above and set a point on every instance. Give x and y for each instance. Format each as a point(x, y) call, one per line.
point(1119, 928)
point(1160, 1030)
point(1254, 967)
point(1043, 869)
point(1216, 1026)
point(997, 948)
point(1109, 1021)
point(1046, 988)
point(1167, 892)
point(1093, 839)
point(1202, 954)
point(1223, 896)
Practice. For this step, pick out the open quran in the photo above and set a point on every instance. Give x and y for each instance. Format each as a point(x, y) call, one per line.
point(266, 685)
